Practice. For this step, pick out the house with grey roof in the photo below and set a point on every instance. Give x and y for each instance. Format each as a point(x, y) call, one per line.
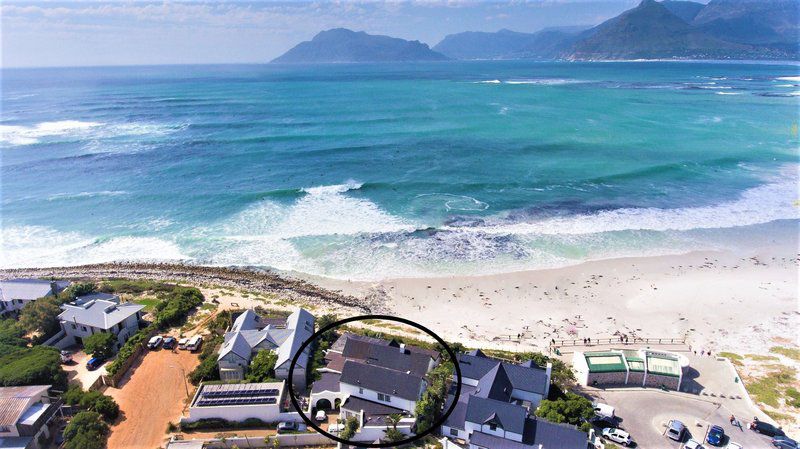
point(96, 313)
point(251, 333)
point(496, 405)
point(15, 293)
point(25, 415)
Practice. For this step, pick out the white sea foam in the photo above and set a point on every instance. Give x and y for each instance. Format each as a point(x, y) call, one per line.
point(65, 196)
point(762, 204)
point(788, 78)
point(38, 246)
point(488, 82)
point(728, 93)
point(17, 135)
point(544, 81)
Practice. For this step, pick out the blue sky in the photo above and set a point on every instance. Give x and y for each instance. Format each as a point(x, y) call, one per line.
point(48, 33)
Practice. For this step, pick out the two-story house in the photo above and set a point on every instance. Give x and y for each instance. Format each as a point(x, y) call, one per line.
point(25, 413)
point(100, 312)
point(15, 293)
point(251, 333)
point(496, 405)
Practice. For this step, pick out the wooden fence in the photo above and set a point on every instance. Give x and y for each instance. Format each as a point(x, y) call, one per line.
point(617, 341)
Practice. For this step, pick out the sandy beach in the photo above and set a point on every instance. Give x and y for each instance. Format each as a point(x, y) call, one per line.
point(717, 300)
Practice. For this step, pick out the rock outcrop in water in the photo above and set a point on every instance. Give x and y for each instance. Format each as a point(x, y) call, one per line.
point(343, 45)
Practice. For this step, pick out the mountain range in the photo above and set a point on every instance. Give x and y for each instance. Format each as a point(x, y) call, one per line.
point(670, 29)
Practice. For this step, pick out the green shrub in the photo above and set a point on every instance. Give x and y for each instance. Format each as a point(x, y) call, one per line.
point(86, 431)
point(92, 401)
point(571, 409)
point(262, 367)
point(128, 349)
point(100, 345)
point(11, 333)
point(219, 423)
point(40, 365)
point(350, 428)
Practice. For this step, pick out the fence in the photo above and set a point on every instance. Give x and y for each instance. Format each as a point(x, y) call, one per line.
point(617, 341)
point(114, 379)
point(292, 440)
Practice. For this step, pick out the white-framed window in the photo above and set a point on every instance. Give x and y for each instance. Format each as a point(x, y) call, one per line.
point(384, 397)
point(454, 432)
point(360, 390)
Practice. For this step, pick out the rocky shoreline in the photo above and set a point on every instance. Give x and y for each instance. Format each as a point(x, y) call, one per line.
point(252, 279)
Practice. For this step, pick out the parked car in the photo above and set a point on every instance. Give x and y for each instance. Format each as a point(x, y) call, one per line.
point(335, 428)
point(66, 356)
point(716, 436)
point(602, 422)
point(675, 430)
point(194, 343)
point(618, 436)
point(766, 428)
point(784, 442)
point(288, 427)
point(94, 363)
point(169, 343)
point(182, 343)
point(155, 342)
point(321, 416)
point(733, 445)
point(603, 410)
point(692, 444)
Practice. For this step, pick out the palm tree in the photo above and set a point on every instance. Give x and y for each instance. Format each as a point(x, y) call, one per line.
point(392, 434)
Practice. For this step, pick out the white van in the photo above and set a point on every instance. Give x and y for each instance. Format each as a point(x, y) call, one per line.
point(194, 343)
point(604, 410)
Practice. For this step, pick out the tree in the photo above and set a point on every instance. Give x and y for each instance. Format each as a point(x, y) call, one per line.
point(41, 316)
point(86, 431)
point(77, 289)
point(93, 401)
point(100, 345)
point(262, 368)
point(571, 409)
point(392, 434)
point(11, 333)
point(350, 428)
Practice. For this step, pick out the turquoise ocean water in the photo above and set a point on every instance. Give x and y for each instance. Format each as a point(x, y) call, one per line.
point(368, 171)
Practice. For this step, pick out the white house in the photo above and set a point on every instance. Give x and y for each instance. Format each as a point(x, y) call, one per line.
point(25, 413)
point(97, 313)
point(15, 293)
point(238, 402)
point(251, 333)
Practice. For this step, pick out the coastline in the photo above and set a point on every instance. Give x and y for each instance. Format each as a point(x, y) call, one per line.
point(717, 300)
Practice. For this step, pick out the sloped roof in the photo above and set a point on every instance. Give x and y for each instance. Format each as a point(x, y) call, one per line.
point(456, 419)
point(235, 343)
point(387, 381)
point(14, 401)
point(98, 313)
point(248, 320)
point(539, 434)
point(510, 417)
point(339, 344)
point(97, 295)
point(28, 289)
point(302, 324)
point(387, 356)
point(495, 385)
point(531, 377)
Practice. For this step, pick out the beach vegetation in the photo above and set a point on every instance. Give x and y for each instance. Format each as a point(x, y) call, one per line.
point(768, 389)
point(92, 401)
point(433, 398)
point(792, 353)
point(762, 358)
point(100, 345)
point(570, 409)
point(41, 316)
point(86, 430)
point(134, 286)
point(262, 368)
point(736, 359)
point(11, 333)
point(39, 365)
point(793, 397)
point(77, 289)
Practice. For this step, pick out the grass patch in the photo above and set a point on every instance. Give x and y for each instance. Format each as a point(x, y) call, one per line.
point(767, 389)
point(208, 306)
point(736, 359)
point(762, 358)
point(793, 397)
point(792, 353)
point(779, 416)
point(148, 303)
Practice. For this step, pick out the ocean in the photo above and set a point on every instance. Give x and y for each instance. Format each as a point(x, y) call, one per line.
point(368, 171)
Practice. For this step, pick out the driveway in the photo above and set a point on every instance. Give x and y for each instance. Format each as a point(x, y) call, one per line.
point(77, 371)
point(152, 395)
point(645, 413)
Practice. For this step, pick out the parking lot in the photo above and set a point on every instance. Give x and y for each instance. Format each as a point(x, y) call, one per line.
point(645, 414)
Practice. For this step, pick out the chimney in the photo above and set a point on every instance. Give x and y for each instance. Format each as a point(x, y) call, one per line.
point(54, 288)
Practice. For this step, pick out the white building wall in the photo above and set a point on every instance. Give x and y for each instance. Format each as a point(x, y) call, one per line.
point(454, 433)
point(371, 395)
point(534, 398)
point(264, 412)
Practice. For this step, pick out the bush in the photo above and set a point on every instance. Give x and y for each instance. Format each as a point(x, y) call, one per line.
point(219, 423)
point(86, 431)
point(40, 365)
point(100, 345)
point(77, 289)
point(92, 401)
point(11, 333)
point(350, 428)
point(128, 349)
point(571, 409)
point(433, 398)
point(41, 316)
point(262, 368)
point(134, 287)
point(177, 305)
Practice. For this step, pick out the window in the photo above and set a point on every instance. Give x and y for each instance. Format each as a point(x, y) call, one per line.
point(454, 432)
point(384, 397)
point(74, 326)
point(360, 390)
point(492, 426)
point(84, 328)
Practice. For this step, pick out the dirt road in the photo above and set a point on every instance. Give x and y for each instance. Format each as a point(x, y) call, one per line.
point(153, 395)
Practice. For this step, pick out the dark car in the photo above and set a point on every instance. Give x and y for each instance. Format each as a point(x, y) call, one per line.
point(784, 442)
point(94, 363)
point(284, 427)
point(603, 422)
point(716, 436)
point(767, 429)
point(169, 343)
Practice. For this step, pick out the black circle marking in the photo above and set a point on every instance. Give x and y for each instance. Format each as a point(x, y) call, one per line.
point(411, 439)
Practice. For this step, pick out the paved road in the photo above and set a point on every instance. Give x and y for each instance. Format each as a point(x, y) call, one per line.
point(645, 414)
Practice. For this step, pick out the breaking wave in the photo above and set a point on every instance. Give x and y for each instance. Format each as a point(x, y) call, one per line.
point(71, 130)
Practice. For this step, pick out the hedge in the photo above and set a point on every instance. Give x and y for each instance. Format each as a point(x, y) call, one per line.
point(40, 365)
point(219, 423)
